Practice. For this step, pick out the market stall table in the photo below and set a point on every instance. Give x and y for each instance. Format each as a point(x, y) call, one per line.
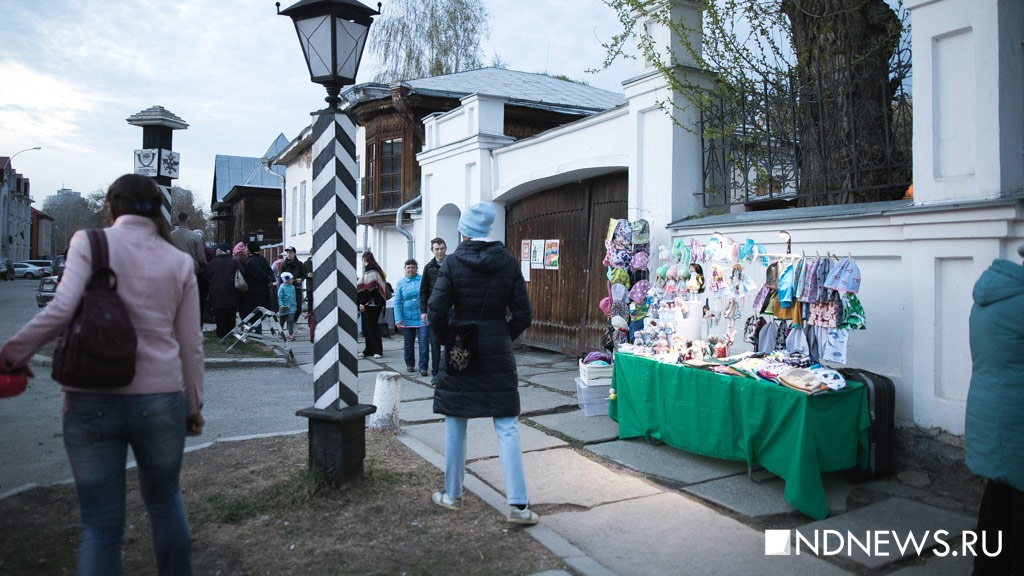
point(790, 434)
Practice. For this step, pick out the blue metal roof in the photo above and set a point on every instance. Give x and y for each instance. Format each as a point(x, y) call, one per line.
point(231, 171)
point(522, 88)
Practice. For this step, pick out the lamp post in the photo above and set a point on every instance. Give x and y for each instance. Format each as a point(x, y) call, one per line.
point(11, 159)
point(332, 34)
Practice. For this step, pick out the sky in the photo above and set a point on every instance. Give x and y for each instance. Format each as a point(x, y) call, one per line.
point(72, 71)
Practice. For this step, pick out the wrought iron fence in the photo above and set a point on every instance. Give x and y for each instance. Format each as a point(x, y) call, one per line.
point(757, 150)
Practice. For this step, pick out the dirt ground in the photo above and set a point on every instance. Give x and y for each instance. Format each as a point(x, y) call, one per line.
point(254, 508)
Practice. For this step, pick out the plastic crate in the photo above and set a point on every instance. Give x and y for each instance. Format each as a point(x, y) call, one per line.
point(593, 399)
point(590, 372)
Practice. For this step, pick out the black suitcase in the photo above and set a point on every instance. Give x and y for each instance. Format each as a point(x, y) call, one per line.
point(882, 434)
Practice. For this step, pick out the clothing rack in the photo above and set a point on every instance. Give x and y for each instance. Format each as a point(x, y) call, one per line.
point(803, 254)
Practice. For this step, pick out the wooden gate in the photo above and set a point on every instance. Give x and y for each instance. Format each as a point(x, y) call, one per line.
point(566, 317)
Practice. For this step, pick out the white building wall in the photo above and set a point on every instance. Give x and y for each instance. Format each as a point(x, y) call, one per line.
point(968, 86)
point(577, 151)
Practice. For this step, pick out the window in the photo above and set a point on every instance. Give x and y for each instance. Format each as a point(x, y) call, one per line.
point(390, 174)
point(292, 222)
point(302, 207)
point(371, 169)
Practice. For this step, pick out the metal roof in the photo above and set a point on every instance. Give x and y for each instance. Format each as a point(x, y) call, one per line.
point(528, 89)
point(231, 171)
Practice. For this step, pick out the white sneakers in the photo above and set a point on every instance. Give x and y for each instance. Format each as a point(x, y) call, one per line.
point(525, 516)
point(442, 499)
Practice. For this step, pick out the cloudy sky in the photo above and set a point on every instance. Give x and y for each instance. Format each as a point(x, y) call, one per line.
point(72, 71)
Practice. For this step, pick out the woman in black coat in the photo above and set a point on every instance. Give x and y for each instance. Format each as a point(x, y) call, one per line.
point(481, 284)
point(224, 298)
point(259, 277)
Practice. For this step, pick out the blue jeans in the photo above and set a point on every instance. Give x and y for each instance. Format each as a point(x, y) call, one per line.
point(509, 454)
point(98, 428)
point(411, 334)
point(435, 352)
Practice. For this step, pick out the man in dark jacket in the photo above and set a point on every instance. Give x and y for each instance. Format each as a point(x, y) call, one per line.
point(260, 278)
point(292, 265)
point(484, 286)
point(224, 298)
point(430, 271)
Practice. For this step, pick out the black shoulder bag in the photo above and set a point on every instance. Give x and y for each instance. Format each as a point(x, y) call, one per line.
point(97, 349)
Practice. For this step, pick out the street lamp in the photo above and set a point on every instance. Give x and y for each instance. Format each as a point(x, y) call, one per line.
point(332, 34)
point(256, 236)
point(11, 159)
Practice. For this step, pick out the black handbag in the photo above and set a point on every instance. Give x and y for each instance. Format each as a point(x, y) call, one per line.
point(462, 353)
point(98, 347)
point(461, 348)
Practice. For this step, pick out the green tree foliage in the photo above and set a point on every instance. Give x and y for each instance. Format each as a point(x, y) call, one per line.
point(420, 38)
point(71, 213)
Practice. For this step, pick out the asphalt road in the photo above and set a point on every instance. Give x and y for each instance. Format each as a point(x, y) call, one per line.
point(239, 402)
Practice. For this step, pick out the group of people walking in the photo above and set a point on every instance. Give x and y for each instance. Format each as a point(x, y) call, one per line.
point(411, 295)
point(263, 287)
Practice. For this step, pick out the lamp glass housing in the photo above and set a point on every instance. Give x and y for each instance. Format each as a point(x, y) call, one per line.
point(333, 34)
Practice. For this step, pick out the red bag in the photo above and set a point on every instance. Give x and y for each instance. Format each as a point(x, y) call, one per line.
point(12, 384)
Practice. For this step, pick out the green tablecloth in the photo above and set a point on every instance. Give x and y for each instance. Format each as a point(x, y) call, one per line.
point(790, 434)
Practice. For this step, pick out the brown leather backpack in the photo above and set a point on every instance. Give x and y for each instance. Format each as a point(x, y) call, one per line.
point(97, 349)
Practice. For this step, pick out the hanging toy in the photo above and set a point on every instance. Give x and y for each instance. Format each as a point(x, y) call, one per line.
point(664, 256)
point(695, 285)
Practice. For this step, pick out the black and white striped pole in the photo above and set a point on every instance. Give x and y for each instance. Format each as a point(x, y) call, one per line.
point(332, 34)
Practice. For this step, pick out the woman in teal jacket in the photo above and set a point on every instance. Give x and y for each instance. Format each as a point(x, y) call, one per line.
point(407, 316)
point(995, 413)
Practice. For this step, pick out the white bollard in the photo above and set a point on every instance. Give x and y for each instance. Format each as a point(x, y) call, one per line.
point(387, 392)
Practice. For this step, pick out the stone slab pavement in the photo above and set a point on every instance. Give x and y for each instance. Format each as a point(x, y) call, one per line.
point(611, 506)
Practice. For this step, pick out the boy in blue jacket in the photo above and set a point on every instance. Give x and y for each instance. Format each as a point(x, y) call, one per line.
point(286, 306)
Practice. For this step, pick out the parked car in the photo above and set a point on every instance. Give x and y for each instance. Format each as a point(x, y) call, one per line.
point(47, 290)
point(58, 265)
point(46, 265)
point(23, 270)
point(6, 269)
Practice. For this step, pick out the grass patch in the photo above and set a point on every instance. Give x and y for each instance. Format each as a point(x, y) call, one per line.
point(298, 487)
point(254, 507)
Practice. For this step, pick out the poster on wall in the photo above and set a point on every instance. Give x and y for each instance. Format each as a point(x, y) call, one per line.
point(524, 250)
point(537, 254)
point(524, 265)
point(551, 255)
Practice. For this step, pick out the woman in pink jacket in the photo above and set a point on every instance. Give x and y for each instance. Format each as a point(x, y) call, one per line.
point(157, 409)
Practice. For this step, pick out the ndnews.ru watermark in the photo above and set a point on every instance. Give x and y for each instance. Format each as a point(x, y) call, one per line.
point(879, 543)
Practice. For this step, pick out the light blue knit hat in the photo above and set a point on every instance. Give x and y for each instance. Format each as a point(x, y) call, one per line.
point(477, 220)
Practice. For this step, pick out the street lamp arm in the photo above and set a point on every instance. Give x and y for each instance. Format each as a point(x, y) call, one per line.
point(11, 159)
